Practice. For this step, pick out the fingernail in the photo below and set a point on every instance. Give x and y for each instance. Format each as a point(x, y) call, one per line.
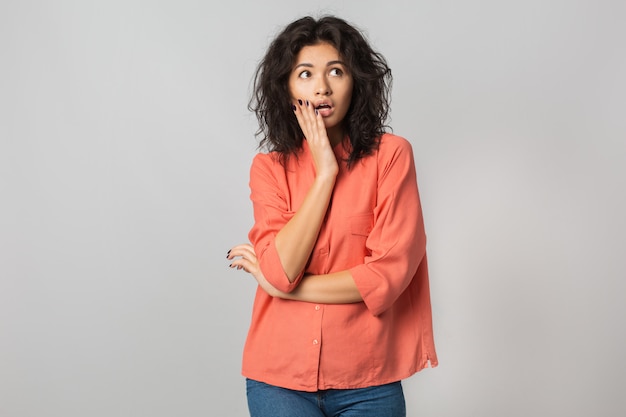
point(316, 112)
point(293, 107)
point(300, 101)
point(227, 253)
point(307, 103)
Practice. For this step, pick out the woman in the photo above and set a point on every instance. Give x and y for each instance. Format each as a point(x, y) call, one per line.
point(342, 313)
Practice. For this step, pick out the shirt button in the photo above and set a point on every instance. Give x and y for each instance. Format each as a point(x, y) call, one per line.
point(317, 308)
point(315, 342)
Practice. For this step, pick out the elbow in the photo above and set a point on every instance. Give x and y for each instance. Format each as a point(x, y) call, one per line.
point(378, 291)
point(377, 307)
point(273, 270)
point(279, 280)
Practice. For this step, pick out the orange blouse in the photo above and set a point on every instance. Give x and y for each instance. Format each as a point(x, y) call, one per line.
point(373, 228)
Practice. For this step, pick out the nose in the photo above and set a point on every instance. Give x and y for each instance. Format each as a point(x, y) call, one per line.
point(322, 88)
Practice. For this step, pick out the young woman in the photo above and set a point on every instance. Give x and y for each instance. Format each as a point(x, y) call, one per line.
point(342, 313)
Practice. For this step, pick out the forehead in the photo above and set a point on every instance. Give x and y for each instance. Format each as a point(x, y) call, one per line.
point(320, 54)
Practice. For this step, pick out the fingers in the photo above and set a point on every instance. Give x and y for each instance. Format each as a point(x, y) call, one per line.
point(314, 129)
point(311, 123)
point(243, 257)
point(244, 250)
point(241, 263)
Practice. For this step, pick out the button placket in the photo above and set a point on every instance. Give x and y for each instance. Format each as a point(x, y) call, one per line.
point(318, 308)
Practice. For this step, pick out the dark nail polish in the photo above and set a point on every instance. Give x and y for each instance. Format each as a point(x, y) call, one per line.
point(300, 101)
point(307, 103)
point(293, 107)
point(227, 253)
point(316, 112)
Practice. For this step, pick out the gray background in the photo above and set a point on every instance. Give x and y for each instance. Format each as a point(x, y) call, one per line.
point(124, 155)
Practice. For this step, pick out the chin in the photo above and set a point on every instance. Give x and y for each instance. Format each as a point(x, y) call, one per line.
point(331, 123)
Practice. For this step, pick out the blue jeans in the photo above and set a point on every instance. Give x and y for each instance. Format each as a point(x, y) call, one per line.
point(269, 401)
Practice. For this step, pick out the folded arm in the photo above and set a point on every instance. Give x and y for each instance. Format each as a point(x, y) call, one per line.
point(334, 288)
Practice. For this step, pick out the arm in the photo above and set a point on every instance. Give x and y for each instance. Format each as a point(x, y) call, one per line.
point(295, 241)
point(334, 288)
point(397, 241)
point(284, 239)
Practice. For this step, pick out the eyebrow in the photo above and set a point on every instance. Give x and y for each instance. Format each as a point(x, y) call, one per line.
point(328, 64)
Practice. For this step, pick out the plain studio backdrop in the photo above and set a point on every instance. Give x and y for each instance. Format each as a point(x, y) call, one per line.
point(125, 145)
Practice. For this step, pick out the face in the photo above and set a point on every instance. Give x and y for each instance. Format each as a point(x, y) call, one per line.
point(321, 77)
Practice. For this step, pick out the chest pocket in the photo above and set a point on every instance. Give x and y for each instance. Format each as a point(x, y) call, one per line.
point(361, 224)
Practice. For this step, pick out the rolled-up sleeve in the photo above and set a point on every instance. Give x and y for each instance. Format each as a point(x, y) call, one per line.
point(397, 241)
point(271, 213)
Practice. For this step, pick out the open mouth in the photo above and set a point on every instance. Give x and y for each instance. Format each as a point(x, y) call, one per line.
point(324, 109)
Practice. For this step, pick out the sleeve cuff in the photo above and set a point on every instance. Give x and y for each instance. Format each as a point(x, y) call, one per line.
point(372, 290)
point(273, 270)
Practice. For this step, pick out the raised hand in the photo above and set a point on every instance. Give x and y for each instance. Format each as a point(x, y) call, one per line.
point(312, 125)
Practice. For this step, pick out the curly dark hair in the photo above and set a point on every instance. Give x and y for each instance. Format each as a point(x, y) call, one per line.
point(366, 119)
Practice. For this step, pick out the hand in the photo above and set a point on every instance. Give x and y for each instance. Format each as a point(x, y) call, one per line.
point(244, 257)
point(312, 125)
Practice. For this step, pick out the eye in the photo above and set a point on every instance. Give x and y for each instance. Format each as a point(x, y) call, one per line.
point(336, 72)
point(304, 74)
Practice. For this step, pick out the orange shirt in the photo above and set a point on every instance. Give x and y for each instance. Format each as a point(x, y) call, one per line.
point(374, 228)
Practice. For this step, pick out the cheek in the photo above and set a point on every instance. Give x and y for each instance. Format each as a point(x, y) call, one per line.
point(347, 95)
point(347, 99)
